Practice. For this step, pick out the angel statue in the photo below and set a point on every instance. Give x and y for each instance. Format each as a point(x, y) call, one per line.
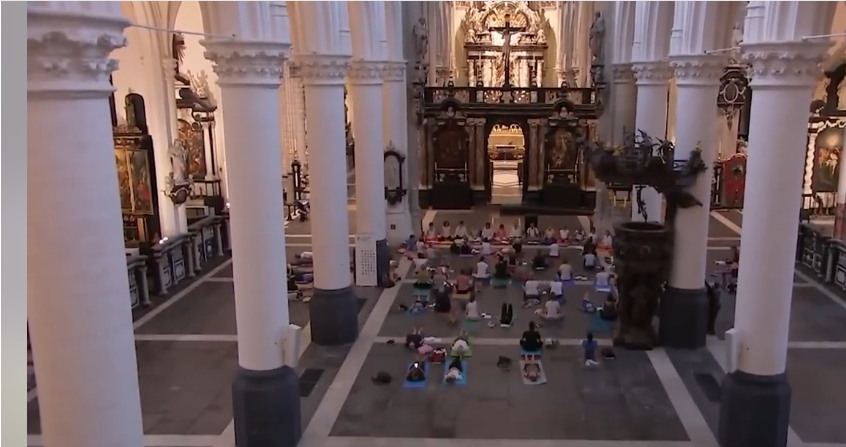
point(179, 162)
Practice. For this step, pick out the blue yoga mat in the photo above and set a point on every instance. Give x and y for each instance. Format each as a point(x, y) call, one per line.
point(603, 289)
point(463, 380)
point(420, 384)
point(524, 353)
point(598, 325)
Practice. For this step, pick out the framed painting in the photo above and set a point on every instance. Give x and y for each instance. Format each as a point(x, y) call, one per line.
point(192, 136)
point(142, 193)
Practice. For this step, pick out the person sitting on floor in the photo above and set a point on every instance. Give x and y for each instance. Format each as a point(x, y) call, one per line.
point(516, 232)
point(454, 371)
point(410, 245)
point(532, 233)
point(531, 293)
point(292, 284)
point(603, 279)
point(463, 283)
point(420, 261)
point(414, 339)
point(554, 250)
point(416, 372)
point(556, 290)
point(579, 236)
point(539, 262)
point(501, 268)
point(439, 281)
point(431, 233)
point(486, 248)
point(589, 346)
point(607, 241)
point(461, 231)
point(446, 232)
point(589, 261)
point(551, 310)
point(506, 315)
point(587, 305)
point(589, 246)
point(548, 236)
point(501, 235)
point(487, 233)
point(471, 312)
point(608, 311)
point(302, 275)
point(482, 269)
point(564, 236)
point(565, 271)
point(422, 280)
point(531, 341)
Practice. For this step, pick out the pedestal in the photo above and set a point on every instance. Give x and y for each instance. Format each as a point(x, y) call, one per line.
point(754, 410)
point(333, 316)
point(266, 407)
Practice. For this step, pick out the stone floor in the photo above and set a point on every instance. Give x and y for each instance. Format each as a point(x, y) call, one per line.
point(187, 352)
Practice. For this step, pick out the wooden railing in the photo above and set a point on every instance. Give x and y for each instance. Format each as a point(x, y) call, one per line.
point(585, 96)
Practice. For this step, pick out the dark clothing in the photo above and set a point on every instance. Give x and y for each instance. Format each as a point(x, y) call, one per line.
point(590, 349)
point(518, 247)
point(414, 340)
point(608, 312)
point(531, 341)
point(501, 270)
point(539, 262)
point(714, 306)
point(442, 302)
point(456, 363)
point(292, 284)
point(507, 314)
point(589, 247)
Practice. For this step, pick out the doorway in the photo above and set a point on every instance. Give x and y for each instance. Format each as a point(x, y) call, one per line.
point(506, 151)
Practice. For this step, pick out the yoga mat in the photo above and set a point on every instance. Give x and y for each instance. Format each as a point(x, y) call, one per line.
point(420, 384)
point(525, 353)
point(541, 379)
point(605, 289)
point(463, 380)
point(598, 325)
point(409, 314)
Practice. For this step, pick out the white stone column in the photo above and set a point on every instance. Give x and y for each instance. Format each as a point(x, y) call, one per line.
point(651, 117)
point(395, 132)
point(370, 213)
point(684, 306)
point(756, 397)
point(625, 102)
point(78, 302)
point(333, 310)
point(299, 127)
point(249, 75)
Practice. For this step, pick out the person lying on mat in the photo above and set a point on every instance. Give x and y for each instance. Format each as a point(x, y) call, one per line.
point(565, 271)
point(487, 233)
point(548, 236)
point(422, 279)
point(301, 274)
point(482, 269)
point(454, 371)
point(531, 341)
point(414, 339)
point(564, 236)
point(539, 262)
point(471, 312)
point(431, 233)
point(461, 345)
point(532, 233)
point(556, 291)
point(531, 371)
point(303, 259)
point(589, 346)
point(416, 372)
point(531, 292)
point(554, 250)
point(550, 311)
point(589, 261)
point(461, 231)
point(608, 311)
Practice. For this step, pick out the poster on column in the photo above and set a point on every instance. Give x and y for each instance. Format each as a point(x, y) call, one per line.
point(365, 261)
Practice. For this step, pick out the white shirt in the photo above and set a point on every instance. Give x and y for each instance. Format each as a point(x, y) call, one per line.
point(590, 260)
point(306, 255)
point(487, 233)
point(532, 287)
point(532, 232)
point(556, 288)
point(516, 232)
point(419, 263)
point(481, 269)
point(431, 233)
point(565, 271)
point(461, 231)
point(553, 250)
point(473, 309)
point(607, 240)
point(553, 308)
point(421, 246)
point(564, 234)
point(446, 231)
point(602, 279)
point(486, 248)
point(550, 233)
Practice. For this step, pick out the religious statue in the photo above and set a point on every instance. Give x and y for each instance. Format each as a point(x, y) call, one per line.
point(421, 40)
point(179, 162)
point(597, 38)
point(507, 31)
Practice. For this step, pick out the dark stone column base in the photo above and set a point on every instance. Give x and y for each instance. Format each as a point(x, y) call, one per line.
point(383, 262)
point(266, 408)
point(333, 316)
point(755, 410)
point(683, 318)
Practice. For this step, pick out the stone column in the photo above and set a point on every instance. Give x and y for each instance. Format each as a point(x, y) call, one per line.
point(651, 117)
point(395, 131)
point(299, 126)
point(840, 202)
point(333, 310)
point(625, 102)
point(755, 407)
point(78, 302)
point(370, 213)
point(684, 306)
point(265, 393)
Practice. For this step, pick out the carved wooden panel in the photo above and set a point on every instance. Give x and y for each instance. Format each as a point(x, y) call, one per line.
point(451, 144)
point(192, 136)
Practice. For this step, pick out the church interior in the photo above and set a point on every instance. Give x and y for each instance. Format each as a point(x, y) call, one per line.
point(499, 222)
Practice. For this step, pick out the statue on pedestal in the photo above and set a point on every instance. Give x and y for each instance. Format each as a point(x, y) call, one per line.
point(597, 39)
point(179, 185)
point(421, 41)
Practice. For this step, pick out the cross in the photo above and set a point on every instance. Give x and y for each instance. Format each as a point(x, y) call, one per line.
point(507, 32)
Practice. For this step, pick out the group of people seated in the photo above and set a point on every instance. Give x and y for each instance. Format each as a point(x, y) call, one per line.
point(532, 234)
point(454, 371)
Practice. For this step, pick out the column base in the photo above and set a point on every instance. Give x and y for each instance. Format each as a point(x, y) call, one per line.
point(755, 410)
point(399, 225)
point(266, 408)
point(683, 318)
point(383, 262)
point(333, 316)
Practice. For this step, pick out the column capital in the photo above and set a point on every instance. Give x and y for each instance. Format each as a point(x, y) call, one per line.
point(363, 72)
point(652, 73)
point(784, 64)
point(319, 69)
point(68, 51)
point(394, 71)
point(699, 69)
point(622, 74)
point(246, 63)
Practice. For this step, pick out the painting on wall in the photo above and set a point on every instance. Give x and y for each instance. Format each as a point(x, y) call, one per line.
point(124, 182)
point(192, 136)
point(827, 153)
point(142, 200)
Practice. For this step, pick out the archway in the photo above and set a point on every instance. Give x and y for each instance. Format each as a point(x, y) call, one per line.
point(506, 151)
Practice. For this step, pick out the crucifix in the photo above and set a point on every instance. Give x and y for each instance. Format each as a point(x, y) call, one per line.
point(507, 31)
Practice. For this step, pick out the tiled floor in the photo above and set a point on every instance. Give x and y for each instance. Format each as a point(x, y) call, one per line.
point(187, 352)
